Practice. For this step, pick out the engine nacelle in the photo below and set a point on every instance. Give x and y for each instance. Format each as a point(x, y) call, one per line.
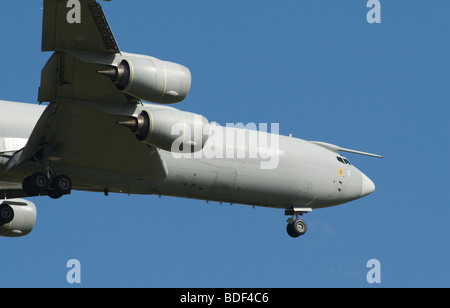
point(170, 130)
point(17, 217)
point(151, 79)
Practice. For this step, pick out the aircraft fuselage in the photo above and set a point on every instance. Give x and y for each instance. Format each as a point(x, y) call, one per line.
point(294, 173)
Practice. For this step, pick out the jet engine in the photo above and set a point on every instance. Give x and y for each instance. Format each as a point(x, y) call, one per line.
point(170, 129)
point(17, 217)
point(151, 79)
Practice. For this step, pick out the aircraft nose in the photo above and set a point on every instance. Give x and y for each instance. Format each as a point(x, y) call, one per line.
point(367, 186)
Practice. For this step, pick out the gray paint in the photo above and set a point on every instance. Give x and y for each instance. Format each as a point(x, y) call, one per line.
point(91, 143)
point(79, 135)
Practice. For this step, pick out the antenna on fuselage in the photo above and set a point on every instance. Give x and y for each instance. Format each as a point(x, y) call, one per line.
point(336, 149)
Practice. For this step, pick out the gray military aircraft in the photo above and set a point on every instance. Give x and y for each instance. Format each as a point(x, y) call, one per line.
point(97, 134)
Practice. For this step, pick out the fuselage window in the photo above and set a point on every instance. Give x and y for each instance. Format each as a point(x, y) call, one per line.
point(340, 159)
point(347, 162)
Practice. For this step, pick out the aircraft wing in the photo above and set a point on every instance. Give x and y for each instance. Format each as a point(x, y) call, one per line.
point(79, 128)
point(63, 31)
point(74, 137)
point(80, 51)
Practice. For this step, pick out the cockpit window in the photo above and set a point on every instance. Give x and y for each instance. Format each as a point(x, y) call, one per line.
point(343, 160)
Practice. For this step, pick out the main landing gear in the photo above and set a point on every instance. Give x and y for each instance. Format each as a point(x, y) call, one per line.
point(296, 226)
point(53, 186)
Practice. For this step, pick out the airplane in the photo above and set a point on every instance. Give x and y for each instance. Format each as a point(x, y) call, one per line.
point(106, 126)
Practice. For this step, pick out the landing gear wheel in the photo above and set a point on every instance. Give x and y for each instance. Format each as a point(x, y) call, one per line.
point(289, 231)
point(53, 194)
point(296, 228)
point(39, 181)
point(35, 184)
point(61, 185)
point(28, 188)
point(6, 214)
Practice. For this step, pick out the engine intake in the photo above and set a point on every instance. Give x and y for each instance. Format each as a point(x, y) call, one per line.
point(170, 130)
point(151, 79)
point(17, 217)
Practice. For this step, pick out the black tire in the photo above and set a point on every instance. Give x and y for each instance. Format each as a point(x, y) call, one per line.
point(62, 185)
point(299, 227)
point(28, 187)
point(39, 182)
point(53, 194)
point(6, 214)
point(290, 231)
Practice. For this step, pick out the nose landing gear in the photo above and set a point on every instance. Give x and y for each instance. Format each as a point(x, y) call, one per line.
point(296, 227)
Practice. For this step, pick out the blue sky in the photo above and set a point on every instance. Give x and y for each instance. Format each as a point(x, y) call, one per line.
point(320, 70)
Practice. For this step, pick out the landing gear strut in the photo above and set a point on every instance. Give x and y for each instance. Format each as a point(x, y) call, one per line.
point(296, 227)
